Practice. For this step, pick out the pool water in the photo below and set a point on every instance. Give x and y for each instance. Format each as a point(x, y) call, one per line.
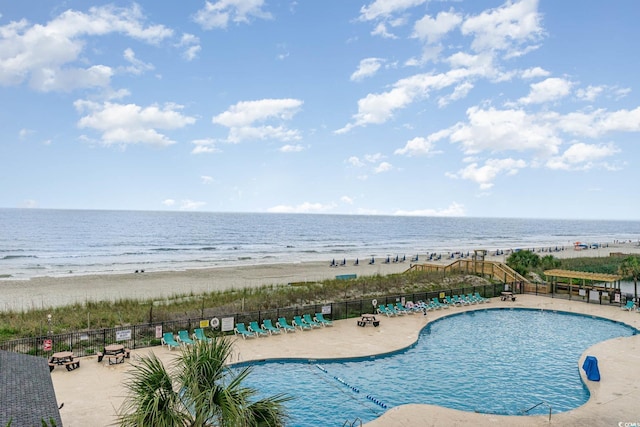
point(500, 361)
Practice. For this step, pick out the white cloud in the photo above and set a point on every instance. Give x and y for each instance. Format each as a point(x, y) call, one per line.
point(206, 179)
point(485, 175)
point(385, 8)
point(373, 158)
point(505, 28)
point(137, 66)
point(191, 44)
point(580, 156)
point(381, 30)
point(417, 147)
point(29, 204)
point(598, 122)
point(240, 119)
point(454, 209)
point(168, 202)
point(500, 130)
point(433, 29)
point(459, 92)
point(190, 205)
point(551, 89)
point(291, 148)
point(131, 124)
point(355, 161)
point(535, 72)
point(346, 199)
point(24, 133)
point(305, 207)
point(383, 167)
point(590, 93)
point(218, 14)
point(367, 68)
point(50, 56)
point(206, 145)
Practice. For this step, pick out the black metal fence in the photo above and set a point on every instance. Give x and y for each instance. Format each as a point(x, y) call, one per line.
point(88, 342)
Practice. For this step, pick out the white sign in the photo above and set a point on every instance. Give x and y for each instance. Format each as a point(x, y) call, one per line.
point(594, 295)
point(123, 335)
point(326, 309)
point(158, 331)
point(582, 292)
point(227, 324)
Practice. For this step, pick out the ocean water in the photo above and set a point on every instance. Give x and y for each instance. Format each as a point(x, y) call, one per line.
point(40, 242)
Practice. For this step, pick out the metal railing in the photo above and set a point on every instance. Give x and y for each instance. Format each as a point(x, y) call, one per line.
point(89, 342)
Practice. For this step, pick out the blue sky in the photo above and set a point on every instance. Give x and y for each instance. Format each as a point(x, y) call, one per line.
point(408, 107)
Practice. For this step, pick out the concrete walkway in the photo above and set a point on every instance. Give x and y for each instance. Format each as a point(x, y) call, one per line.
point(93, 393)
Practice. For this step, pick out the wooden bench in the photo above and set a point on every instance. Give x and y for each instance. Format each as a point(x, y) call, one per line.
point(71, 365)
point(51, 366)
point(100, 356)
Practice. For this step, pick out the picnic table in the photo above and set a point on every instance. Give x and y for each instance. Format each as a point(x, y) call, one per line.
point(115, 353)
point(506, 296)
point(63, 358)
point(368, 319)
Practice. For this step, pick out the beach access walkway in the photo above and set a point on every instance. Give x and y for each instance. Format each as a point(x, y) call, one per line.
point(92, 395)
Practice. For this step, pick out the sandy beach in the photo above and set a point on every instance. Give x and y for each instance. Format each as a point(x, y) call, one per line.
point(93, 393)
point(43, 292)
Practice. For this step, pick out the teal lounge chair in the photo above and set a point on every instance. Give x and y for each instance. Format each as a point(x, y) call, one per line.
point(299, 323)
point(240, 329)
point(472, 299)
point(382, 309)
point(169, 340)
point(183, 337)
point(324, 322)
point(309, 321)
point(267, 325)
point(402, 309)
point(451, 302)
point(282, 324)
point(198, 335)
point(480, 298)
point(459, 300)
point(630, 306)
point(253, 326)
point(393, 310)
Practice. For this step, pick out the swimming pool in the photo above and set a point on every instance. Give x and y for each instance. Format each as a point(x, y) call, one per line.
point(501, 361)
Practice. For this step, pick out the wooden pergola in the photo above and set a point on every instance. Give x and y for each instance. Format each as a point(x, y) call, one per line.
point(588, 281)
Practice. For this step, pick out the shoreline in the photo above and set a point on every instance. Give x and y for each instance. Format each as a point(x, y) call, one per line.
point(47, 291)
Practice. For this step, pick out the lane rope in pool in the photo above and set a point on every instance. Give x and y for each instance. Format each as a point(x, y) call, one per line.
point(355, 389)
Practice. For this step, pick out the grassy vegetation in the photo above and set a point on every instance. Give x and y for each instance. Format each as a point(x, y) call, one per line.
point(96, 315)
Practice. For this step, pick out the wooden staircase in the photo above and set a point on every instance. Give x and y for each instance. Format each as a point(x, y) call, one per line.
point(494, 270)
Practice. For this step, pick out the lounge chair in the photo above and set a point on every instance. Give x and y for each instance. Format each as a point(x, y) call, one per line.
point(240, 329)
point(402, 309)
point(436, 302)
point(382, 309)
point(198, 335)
point(320, 319)
point(299, 323)
point(183, 337)
point(169, 340)
point(282, 324)
point(469, 299)
point(267, 325)
point(253, 326)
point(451, 302)
point(459, 300)
point(630, 306)
point(480, 298)
point(306, 318)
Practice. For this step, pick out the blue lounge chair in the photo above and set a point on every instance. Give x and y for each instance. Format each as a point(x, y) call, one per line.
point(240, 329)
point(320, 319)
point(480, 298)
point(299, 323)
point(309, 321)
point(451, 301)
point(198, 335)
point(183, 337)
point(402, 309)
point(169, 340)
point(382, 309)
point(393, 310)
point(282, 324)
point(253, 326)
point(267, 325)
point(630, 306)
point(459, 300)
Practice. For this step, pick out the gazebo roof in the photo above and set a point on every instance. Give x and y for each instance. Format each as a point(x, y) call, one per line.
point(570, 274)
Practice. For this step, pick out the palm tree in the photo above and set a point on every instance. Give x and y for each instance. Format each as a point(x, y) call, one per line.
point(199, 391)
point(523, 261)
point(630, 267)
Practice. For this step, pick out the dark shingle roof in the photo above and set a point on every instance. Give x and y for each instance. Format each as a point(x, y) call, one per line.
point(26, 391)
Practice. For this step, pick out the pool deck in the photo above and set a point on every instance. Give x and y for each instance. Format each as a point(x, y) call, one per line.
point(93, 393)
